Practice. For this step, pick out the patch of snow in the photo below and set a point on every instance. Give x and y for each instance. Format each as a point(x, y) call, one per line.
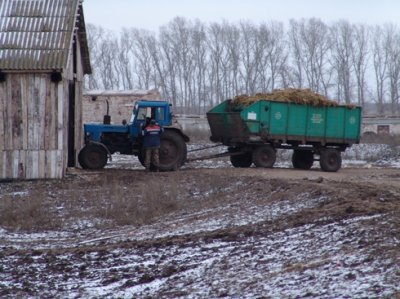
point(310, 261)
point(358, 155)
point(18, 194)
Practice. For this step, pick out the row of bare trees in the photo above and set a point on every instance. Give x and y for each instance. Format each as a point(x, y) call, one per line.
point(196, 65)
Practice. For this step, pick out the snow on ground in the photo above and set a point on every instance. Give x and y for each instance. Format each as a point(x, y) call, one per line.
point(312, 261)
point(329, 259)
point(294, 263)
point(358, 155)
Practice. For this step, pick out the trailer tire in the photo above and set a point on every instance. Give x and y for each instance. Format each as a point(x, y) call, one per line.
point(330, 160)
point(173, 151)
point(241, 161)
point(264, 156)
point(302, 159)
point(92, 156)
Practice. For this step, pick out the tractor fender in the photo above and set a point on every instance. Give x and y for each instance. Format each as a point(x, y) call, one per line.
point(184, 136)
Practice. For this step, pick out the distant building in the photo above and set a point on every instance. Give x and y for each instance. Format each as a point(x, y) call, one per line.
point(120, 104)
point(43, 57)
point(381, 125)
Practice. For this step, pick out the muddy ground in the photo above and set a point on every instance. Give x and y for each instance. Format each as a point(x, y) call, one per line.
point(203, 233)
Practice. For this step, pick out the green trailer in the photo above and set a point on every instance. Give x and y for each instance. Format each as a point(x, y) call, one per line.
point(253, 133)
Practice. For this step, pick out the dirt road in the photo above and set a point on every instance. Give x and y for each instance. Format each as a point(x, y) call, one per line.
point(376, 175)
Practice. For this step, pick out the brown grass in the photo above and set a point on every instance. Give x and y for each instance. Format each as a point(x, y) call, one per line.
point(137, 206)
point(105, 202)
point(27, 212)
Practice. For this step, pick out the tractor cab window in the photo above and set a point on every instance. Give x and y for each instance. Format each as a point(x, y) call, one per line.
point(160, 114)
point(140, 113)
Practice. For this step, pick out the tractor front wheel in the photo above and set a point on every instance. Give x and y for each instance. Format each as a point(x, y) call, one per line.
point(93, 156)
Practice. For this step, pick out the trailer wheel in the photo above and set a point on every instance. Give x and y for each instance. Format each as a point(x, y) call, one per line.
point(173, 151)
point(92, 156)
point(302, 159)
point(264, 156)
point(241, 161)
point(330, 160)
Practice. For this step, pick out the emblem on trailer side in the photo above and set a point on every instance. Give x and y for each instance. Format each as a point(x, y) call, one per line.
point(316, 118)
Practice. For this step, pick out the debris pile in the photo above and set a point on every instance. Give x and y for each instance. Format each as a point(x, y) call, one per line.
point(292, 95)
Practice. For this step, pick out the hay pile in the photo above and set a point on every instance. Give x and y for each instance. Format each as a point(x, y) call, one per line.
point(292, 95)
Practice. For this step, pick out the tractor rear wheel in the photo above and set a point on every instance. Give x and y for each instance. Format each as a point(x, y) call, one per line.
point(93, 156)
point(302, 159)
point(264, 156)
point(173, 151)
point(330, 160)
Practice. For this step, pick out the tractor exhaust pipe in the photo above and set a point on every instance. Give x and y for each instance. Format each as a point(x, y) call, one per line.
point(107, 117)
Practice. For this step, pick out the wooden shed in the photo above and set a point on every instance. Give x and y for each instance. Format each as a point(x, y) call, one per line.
point(43, 58)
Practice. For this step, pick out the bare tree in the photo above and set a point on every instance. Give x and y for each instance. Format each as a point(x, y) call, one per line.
point(195, 65)
point(342, 42)
point(199, 54)
point(232, 43)
point(140, 53)
point(380, 64)
point(169, 59)
point(95, 35)
point(310, 49)
point(160, 68)
point(250, 55)
point(125, 61)
point(227, 64)
point(217, 52)
point(297, 57)
point(274, 55)
point(392, 45)
point(360, 57)
point(108, 49)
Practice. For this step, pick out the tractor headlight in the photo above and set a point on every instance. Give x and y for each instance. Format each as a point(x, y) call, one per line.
point(88, 137)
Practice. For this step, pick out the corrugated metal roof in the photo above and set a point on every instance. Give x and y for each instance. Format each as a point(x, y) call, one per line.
point(37, 34)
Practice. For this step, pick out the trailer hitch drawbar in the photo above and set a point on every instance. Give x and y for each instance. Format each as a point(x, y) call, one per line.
point(224, 154)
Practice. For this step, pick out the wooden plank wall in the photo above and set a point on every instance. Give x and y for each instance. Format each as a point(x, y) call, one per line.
point(32, 127)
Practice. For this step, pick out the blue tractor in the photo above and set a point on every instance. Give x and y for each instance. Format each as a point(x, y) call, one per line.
point(104, 139)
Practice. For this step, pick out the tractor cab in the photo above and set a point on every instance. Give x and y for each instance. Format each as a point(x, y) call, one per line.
point(146, 110)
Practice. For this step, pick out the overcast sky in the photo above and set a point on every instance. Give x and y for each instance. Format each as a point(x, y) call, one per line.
point(151, 14)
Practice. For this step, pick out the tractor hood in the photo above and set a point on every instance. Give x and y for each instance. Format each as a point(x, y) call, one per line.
point(95, 130)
